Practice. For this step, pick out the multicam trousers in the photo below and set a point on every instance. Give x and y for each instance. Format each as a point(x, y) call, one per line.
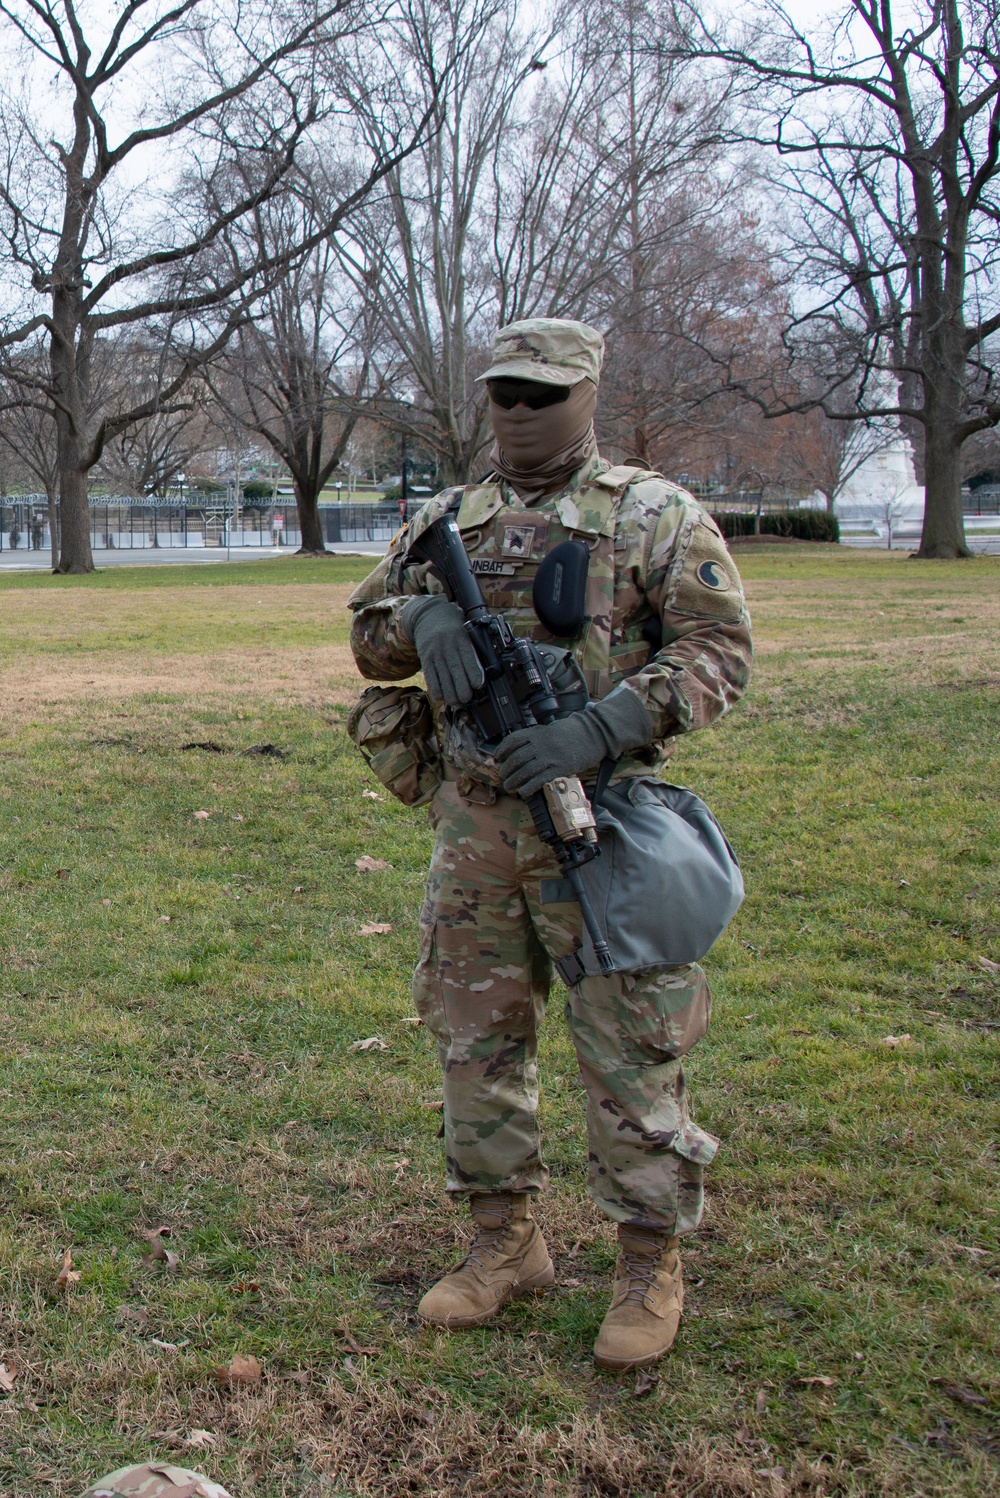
point(491, 926)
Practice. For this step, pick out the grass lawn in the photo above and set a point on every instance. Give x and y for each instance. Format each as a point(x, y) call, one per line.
point(181, 994)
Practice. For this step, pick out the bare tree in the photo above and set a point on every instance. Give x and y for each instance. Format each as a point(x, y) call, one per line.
point(885, 128)
point(421, 251)
point(28, 430)
point(227, 93)
point(146, 456)
point(563, 171)
point(300, 374)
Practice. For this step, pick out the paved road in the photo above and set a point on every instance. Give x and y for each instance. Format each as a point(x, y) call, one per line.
point(40, 561)
point(982, 545)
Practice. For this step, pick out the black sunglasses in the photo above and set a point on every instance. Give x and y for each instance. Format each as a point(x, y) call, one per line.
point(507, 393)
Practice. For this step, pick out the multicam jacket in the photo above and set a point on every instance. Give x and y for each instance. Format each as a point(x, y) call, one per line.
point(664, 608)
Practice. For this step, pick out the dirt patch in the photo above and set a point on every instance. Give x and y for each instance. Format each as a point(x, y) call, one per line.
point(322, 674)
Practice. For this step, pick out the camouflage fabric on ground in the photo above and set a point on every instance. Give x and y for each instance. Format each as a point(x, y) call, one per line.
point(155, 1480)
point(489, 932)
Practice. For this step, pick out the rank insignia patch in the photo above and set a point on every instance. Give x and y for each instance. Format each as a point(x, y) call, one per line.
point(518, 540)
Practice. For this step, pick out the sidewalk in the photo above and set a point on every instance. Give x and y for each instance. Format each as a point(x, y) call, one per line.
point(149, 556)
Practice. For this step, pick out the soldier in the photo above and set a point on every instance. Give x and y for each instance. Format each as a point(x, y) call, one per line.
point(665, 649)
point(155, 1480)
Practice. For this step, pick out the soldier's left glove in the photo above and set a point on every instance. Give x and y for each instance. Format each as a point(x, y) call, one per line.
point(531, 757)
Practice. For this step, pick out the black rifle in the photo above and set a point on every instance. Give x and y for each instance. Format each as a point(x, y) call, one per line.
point(517, 693)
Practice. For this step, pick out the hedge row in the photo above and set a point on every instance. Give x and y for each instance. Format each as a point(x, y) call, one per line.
point(802, 525)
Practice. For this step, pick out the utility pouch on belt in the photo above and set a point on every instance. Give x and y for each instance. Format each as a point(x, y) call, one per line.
point(394, 729)
point(667, 882)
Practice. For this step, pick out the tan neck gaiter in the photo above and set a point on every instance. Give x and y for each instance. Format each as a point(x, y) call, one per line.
point(538, 450)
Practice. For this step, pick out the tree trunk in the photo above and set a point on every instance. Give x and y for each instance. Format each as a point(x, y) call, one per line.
point(70, 363)
point(50, 496)
point(943, 534)
point(310, 530)
point(75, 554)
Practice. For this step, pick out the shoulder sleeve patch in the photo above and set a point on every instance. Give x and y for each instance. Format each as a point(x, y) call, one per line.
point(708, 584)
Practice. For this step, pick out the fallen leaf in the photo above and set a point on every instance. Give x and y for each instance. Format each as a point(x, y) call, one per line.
point(165, 918)
point(571, 1284)
point(361, 1352)
point(375, 928)
point(966, 1249)
point(7, 1377)
point(760, 1403)
point(372, 795)
point(238, 818)
point(896, 1039)
point(134, 1315)
point(67, 1274)
point(62, 873)
point(199, 1439)
point(202, 816)
point(372, 1043)
point(350, 1366)
point(105, 902)
point(964, 1396)
point(987, 965)
point(410, 1019)
point(401, 1168)
point(644, 1384)
point(158, 1250)
point(437, 1107)
point(369, 865)
point(242, 1371)
point(820, 1378)
point(154, 1237)
point(298, 889)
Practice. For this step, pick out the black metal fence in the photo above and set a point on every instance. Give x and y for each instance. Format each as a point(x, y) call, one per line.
point(122, 524)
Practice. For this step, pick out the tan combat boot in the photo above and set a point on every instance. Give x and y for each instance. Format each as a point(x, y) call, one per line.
point(508, 1258)
point(646, 1306)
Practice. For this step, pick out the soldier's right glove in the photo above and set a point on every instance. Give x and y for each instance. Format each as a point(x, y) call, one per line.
point(449, 661)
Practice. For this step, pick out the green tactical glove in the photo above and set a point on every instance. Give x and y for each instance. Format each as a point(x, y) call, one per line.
point(531, 757)
point(449, 661)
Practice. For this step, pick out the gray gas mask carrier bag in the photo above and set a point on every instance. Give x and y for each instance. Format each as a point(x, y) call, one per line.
point(667, 882)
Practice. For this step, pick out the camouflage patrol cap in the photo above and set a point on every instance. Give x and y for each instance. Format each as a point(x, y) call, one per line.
point(155, 1480)
point(548, 350)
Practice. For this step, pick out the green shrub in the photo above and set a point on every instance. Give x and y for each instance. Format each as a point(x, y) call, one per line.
point(256, 492)
point(802, 525)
